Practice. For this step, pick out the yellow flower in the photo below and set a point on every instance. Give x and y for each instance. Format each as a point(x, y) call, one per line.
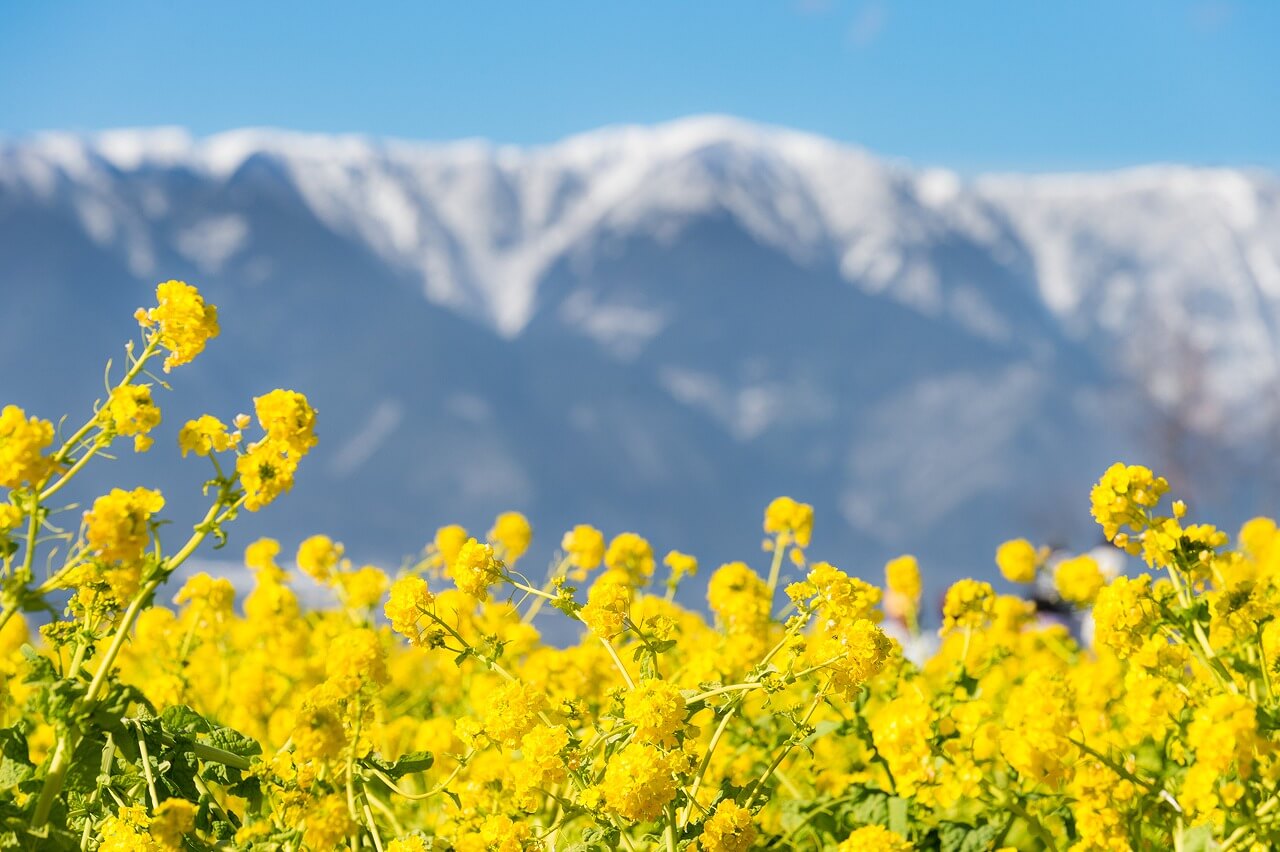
point(728, 829)
point(853, 655)
point(216, 594)
point(500, 833)
point(1036, 729)
point(1078, 580)
point(318, 556)
point(317, 732)
point(638, 782)
point(1100, 796)
point(356, 659)
point(186, 322)
point(130, 411)
point(288, 419)
point(681, 564)
point(902, 576)
point(968, 603)
point(657, 709)
point(445, 546)
point(261, 556)
point(607, 606)
point(511, 534)
point(10, 517)
point(541, 764)
point(412, 843)
point(475, 569)
point(630, 553)
point(127, 831)
point(874, 838)
point(1224, 734)
point(205, 435)
point(327, 822)
point(173, 819)
point(790, 521)
point(1124, 495)
point(584, 548)
point(512, 712)
point(841, 597)
point(266, 471)
point(902, 729)
point(1018, 560)
point(739, 598)
point(1260, 542)
point(409, 599)
point(363, 587)
point(22, 441)
point(118, 525)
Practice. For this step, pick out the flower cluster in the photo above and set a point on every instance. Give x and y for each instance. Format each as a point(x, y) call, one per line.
point(182, 321)
point(22, 444)
point(160, 710)
point(268, 466)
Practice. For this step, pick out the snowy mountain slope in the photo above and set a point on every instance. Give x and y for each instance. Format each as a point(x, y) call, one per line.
point(663, 327)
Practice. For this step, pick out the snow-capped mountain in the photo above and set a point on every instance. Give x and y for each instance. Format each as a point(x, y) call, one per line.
point(661, 328)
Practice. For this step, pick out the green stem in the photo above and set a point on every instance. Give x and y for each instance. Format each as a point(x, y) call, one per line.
point(104, 771)
point(66, 745)
point(782, 754)
point(351, 772)
point(1115, 767)
point(1037, 828)
point(417, 797)
point(146, 768)
point(670, 833)
point(746, 686)
point(720, 690)
point(706, 760)
point(1265, 665)
point(71, 443)
point(617, 661)
point(608, 646)
point(373, 827)
point(539, 600)
point(72, 471)
point(776, 568)
point(33, 528)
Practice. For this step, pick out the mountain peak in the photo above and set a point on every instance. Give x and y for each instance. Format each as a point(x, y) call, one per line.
point(482, 225)
point(697, 315)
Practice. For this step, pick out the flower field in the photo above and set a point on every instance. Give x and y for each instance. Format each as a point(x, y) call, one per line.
point(423, 711)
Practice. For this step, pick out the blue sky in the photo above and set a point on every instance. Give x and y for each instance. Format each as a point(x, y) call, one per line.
point(972, 85)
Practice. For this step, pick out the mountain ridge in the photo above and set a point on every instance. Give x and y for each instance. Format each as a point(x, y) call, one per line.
point(705, 305)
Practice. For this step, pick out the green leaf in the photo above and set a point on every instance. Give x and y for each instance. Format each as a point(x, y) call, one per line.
point(39, 668)
point(232, 777)
point(416, 761)
point(15, 760)
point(110, 711)
point(86, 760)
point(873, 809)
point(898, 815)
point(233, 741)
point(959, 837)
point(1197, 838)
point(181, 719)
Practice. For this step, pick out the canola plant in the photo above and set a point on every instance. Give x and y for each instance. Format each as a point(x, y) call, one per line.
point(422, 710)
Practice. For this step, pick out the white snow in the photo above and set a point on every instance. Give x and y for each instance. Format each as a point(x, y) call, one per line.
point(1119, 258)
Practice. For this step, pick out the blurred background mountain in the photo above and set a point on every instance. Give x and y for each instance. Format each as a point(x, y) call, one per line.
point(661, 328)
point(631, 310)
